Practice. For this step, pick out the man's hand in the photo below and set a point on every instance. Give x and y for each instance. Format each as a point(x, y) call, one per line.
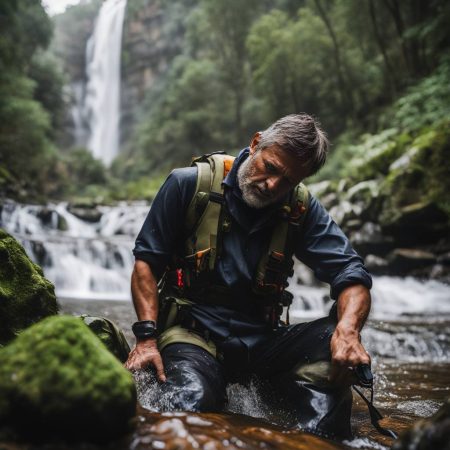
point(346, 351)
point(346, 348)
point(146, 354)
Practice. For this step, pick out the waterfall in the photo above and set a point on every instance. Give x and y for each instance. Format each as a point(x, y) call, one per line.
point(102, 100)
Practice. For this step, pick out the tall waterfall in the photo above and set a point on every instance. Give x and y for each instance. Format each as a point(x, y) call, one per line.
point(102, 101)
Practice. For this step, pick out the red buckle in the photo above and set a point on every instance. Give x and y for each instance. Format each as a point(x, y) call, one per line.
point(180, 282)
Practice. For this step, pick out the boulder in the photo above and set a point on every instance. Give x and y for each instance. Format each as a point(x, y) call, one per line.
point(370, 239)
point(26, 296)
point(402, 261)
point(88, 213)
point(376, 265)
point(427, 434)
point(422, 222)
point(59, 381)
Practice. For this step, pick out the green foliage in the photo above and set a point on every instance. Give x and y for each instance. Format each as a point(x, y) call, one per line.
point(25, 295)
point(426, 103)
point(241, 65)
point(25, 28)
point(423, 105)
point(84, 169)
point(188, 117)
point(28, 108)
point(49, 79)
point(59, 380)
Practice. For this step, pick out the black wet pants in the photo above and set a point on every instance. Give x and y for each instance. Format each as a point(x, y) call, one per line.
point(196, 381)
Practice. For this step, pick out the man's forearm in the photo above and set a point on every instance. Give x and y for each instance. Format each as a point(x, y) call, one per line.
point(144, 290)
point(353, 307)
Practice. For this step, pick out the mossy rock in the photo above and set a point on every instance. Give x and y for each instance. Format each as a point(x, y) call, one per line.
point(59, 381)
point(26, 296)
point(415, 193)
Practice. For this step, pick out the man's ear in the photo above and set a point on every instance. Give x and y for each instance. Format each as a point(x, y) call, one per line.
point(254, 142)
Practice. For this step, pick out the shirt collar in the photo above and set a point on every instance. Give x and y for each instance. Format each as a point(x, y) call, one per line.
point(231, 179)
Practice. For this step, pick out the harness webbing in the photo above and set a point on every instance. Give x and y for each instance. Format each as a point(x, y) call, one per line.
point(207, 219)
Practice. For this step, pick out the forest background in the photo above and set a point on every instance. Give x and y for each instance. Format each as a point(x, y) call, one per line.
point(375, 73)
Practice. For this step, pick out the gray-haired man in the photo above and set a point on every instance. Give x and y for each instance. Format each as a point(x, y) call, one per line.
point(224, 254)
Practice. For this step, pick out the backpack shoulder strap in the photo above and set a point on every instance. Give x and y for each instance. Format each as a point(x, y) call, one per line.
point(275, 265)
point(204, 211)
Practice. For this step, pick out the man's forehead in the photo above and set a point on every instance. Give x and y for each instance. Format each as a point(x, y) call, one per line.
point(287, 162)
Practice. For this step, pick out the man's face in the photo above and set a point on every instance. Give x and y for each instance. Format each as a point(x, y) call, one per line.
point(268, 175)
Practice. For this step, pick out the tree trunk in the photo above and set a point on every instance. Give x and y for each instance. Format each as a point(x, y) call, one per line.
point(337, 57)
point(391, 76)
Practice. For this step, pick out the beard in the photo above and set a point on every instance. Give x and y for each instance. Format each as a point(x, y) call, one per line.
point(254, 194)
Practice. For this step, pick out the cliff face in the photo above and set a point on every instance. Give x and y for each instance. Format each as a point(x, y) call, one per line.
point(152, 37)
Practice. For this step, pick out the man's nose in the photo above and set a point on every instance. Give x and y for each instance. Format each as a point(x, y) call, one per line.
point(273, 183)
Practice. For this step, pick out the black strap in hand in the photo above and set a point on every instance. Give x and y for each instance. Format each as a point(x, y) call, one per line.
point(365, 378)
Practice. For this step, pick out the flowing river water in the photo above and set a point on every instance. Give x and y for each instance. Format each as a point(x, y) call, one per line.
point(90, 263)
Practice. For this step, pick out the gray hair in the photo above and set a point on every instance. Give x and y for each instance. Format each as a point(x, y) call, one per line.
point(301, 135)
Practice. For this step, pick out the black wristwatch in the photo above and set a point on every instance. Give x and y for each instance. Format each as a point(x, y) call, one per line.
point(144, 329)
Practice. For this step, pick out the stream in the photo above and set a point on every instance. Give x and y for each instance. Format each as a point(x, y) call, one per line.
point(90, 263)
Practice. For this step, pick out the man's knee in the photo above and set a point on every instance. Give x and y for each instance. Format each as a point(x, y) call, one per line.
point(194, 379)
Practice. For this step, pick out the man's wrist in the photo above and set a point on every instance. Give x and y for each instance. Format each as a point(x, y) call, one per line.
point(347, 330)
point(144, 329)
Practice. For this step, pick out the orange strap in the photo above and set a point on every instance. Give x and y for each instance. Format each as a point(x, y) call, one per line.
point(227, 164)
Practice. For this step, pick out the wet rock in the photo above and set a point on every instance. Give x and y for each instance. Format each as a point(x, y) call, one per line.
point(51, 219)
point(329, 200)
point(110, 334)
point(427, 434)
point(376, 265)
point(370, 239)
point(363, 192)
point(404, 260)
point(88, 213)
point(444, 259)
point(59, 380)
point(344, 212)
point(220, 432)
point(319, 189)
point(26, 296)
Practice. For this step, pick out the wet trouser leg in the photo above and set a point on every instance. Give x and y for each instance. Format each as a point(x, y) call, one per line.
point(320, 407)
point(195, 381)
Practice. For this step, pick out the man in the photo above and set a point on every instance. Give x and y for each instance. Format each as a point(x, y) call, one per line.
point(227, 296)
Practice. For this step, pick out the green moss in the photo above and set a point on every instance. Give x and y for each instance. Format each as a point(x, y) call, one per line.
point(58, 379)
point(423, 176)
point(26, 296)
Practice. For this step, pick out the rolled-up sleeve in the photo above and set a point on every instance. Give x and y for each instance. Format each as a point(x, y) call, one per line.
point(325, 248)
point(163, 228)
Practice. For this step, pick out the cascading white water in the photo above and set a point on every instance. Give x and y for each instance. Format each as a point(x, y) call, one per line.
point(83, 260)
point(102, 101)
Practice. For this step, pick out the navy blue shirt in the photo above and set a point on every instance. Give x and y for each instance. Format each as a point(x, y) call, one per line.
point(321, 245)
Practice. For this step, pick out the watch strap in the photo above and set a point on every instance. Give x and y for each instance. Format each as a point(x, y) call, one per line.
point(144, 329)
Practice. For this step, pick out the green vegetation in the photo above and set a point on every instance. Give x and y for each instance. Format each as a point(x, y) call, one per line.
point(374, 73)
point(59, 380)
point(26, 296)
point(245, 64)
